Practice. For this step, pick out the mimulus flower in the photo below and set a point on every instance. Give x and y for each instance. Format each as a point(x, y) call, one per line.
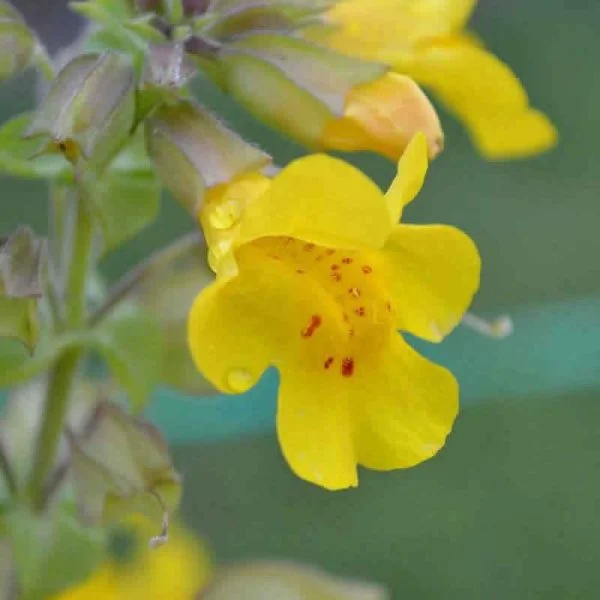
point(315, 277)
point(426, 39)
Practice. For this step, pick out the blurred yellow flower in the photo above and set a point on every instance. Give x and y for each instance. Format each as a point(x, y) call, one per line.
point(426, 39)
point(177, 570)
point(315, 276)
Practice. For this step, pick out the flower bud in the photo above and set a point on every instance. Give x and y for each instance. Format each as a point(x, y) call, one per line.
point(89, 111)
point(121, 465)
point(193, 151)
point(291, 84)
point(326, 100)
point(287, 580)
point(383, 116)
point(17, 43)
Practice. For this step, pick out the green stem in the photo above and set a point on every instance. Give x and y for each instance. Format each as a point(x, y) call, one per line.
point(60, 385)
point(60, 382)
point(6, 469)
point(78, 270)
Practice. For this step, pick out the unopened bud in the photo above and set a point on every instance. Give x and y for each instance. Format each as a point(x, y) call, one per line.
point(17, 42)
point(89, 111)
point(193, 151)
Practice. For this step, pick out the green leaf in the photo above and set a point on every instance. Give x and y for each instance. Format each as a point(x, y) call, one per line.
point(18, 156)
point(52, 551)
point(278, 580)
point(18, 320)
point(17, 41)
point(121, 465)
point(131, 343)
point(171, 281)
point(126, 204)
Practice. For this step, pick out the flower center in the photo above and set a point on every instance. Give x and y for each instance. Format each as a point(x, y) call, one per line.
point(352, 281)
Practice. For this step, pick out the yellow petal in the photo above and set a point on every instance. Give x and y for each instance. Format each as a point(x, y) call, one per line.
point(102, 585)
point(405, 411)
point(314, 428)
point(382, 116)
point(484, 93)
point(412, 168)
point(321, 200)
point(372, 29)
point(221, 213)
point(432, 273)
point(175, 570)
point(238, 327)
point(259, 318)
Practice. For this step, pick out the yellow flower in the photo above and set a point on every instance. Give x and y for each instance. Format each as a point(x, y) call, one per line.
point(426, 40)
point(176, 570)
point(316, 278)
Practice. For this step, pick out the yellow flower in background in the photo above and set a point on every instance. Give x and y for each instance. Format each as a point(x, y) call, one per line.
point(177, 570)
point(426, 39)
point(315, 277)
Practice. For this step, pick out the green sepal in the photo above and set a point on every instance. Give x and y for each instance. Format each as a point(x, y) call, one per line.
point(121, 465)
point(22, 266)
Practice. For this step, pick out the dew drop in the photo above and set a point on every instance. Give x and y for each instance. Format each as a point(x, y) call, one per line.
point(226, 214)
point(239, 380)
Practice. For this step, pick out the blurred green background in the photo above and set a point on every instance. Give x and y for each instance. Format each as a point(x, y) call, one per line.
point(511, 507)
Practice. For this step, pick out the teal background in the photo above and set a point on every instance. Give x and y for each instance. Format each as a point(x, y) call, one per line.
point(510, 508)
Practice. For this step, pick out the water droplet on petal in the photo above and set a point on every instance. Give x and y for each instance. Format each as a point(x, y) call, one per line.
point(217, 252)
point(226, 214)
point(239, 380)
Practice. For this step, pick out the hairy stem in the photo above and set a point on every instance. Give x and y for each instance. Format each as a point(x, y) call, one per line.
point(60, 382)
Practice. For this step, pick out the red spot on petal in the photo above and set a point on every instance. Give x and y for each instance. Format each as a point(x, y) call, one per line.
point(329, 252)
point(320, 257)
point(347, 260)
point(360, 311)
point(367, 269)
point(315, 322)
point(354, 292)
point(300, 271)
point(336, 276)
point(389, 307)
point(309, 247)
point(347, 367)
point(328, 362)
point(335, 267)
point(345, 317)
